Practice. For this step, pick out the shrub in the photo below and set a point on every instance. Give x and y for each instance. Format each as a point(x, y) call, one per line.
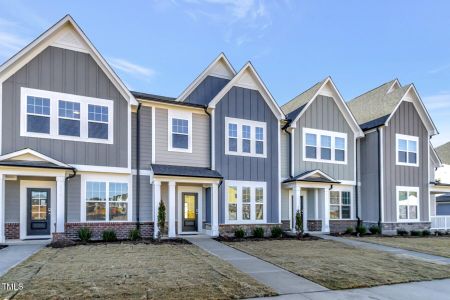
point(416, 233)
point(402, 232)
point(161, 219)
point(135, 234)
point(299, 223)
point(239, 233)
point(258, 232)
point(109, 235)
point(426, 232)
point(277, 232)
point(85, 234)
point(361, 229)
point(349, 230)
point(375, 229)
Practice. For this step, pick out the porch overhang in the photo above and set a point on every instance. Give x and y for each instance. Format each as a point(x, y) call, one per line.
point(184, 174)
point(437, 187)
point(313, 176)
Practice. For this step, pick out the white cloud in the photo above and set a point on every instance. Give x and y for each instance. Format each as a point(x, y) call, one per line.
point(12, 38)
point(131, 68)
point(439, 69)
point(438, 101)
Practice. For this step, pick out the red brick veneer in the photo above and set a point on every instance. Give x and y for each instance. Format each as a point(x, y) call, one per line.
point(122, 229)
point(12, 231)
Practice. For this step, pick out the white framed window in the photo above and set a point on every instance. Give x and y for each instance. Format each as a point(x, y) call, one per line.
point(324, 146)
point(408, 205)
point(180, 131)
point(245, 202)
point(245, 137)
point(106, 199)
point(407, 150)
point(62, 116)
point(340, 205)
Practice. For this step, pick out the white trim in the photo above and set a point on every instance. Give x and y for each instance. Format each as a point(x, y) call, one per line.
point(101, 169)
point(253, 125)
point(341, 189)
point(195, 190)
point(142, 172)
point(213, 139)
point(280, 180)
point(396, 83)
point(1, 122)
point(317, 172)
point(54, 116)
point(252, 185)
point(115, 178)
point(333, 135)
point(183, 179)
point(407, 138)
point(381, 166)
point(407, 189)
point(176, 114)
point(24, 184)
point(153, 135)
point(130, 141)
point(2, 208)
point(33, 153)
point(292, 158)
point(221, 59)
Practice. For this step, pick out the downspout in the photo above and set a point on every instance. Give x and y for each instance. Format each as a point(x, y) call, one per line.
point(379, 177)
point(138, 165)
point(358, 223)
point(289, 147)
point(74, 173)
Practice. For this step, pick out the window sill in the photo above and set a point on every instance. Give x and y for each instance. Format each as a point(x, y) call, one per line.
point(245, 154)
point(170, 149)
point(325, 161)
point(407, 165)
point(66, 138)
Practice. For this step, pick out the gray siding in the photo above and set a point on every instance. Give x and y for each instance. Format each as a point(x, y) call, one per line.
point(284, 148)
point(206, 90)
point(434, 163)
point(73, 209)
point(12, 201)
point(248, 104)
point(65, 71)
point(285, 204)
point(406, 121)
point(145, 138)
point(324, 114)
point(146, 192)
point(200, 142)
point(368, 159)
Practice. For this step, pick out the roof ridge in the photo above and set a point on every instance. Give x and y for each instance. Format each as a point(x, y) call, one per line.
point(302, 93)
point(372, 90)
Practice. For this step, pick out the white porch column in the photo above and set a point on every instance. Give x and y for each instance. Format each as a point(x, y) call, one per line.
point(316, 204)
point(214, 209)
point(305, 213)
point(326, 217)
point(156, 200)
point(296, 190)
point(171, 211)
point(60, 204)
point(2, 208)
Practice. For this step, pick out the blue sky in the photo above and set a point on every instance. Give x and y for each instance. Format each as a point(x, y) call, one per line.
point(161, 46)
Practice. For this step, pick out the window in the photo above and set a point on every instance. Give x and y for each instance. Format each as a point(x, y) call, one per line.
point(246, 202)
point(245, 137)
point(324, 146)
point(407, 204)
point(340, 205)
point(180, 131)
point(106, 201)
point(407, 150)
point(69, 118)
point(98, 121)
point(61, 116)
point(38, 114)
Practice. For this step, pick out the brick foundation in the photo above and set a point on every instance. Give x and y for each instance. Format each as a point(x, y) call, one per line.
point(12, 231)
point(228, 230)
point(122, 229)
point(286, 224)
point(339, 226)
point(314, 225)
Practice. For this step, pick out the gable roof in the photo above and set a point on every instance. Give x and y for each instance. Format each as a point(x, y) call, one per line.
point(31, 158)
point(248, 77)
point(377, 106)
point(443, 152)
point(64, 34)
point(435, 157)
point(295, 108)
point(184, 171)
point(219, 67)
point(313, 176)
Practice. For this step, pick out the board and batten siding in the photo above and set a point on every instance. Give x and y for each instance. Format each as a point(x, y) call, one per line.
point(12, 201)
point(145, 121)
point(248, 104)
point(146, 204)
point(74, 199)
point(405, 121)
point(71, 72)
point(206, 90)
point(285, 159)
point(200, 142)
point(324, 114)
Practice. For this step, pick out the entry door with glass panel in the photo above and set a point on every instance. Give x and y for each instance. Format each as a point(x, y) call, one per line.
point(190, 212)
point(38, 220)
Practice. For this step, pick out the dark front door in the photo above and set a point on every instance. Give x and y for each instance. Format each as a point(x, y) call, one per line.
point(38, 220)
point(190, 211)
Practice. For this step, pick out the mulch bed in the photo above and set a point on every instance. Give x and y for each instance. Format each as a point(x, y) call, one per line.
point(71, 243)
point(254, 239)
point(3, 246)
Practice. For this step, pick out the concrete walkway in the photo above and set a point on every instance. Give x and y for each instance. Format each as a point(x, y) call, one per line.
point(15, 254)
point(397, 251)
point(280, 280)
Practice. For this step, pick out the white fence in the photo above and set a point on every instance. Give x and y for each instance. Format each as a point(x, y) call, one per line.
point(440, 222)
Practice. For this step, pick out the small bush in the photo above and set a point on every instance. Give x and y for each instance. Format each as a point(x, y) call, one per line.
point(375, 229)
point(426, 232)
point(239, 233)
point(349, 230)
point(85, 234)
point(402, 232)
point(109, 235)
point(135, 234)
point(258, 232)
point(277, 232)
point(416, 233)
point(362, 230)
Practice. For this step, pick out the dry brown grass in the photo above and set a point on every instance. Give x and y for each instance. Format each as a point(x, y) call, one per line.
point(128, 271)
point(338, 266)
point(432, 245)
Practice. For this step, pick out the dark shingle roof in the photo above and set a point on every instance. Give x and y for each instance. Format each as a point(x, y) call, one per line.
point(33, 164)
point(163, 99)
point(311, 178)
point(184, 171)
point(443, 152)
point(443, 198)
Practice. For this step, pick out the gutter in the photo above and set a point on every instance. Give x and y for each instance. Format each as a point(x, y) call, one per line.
point(138, 164)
